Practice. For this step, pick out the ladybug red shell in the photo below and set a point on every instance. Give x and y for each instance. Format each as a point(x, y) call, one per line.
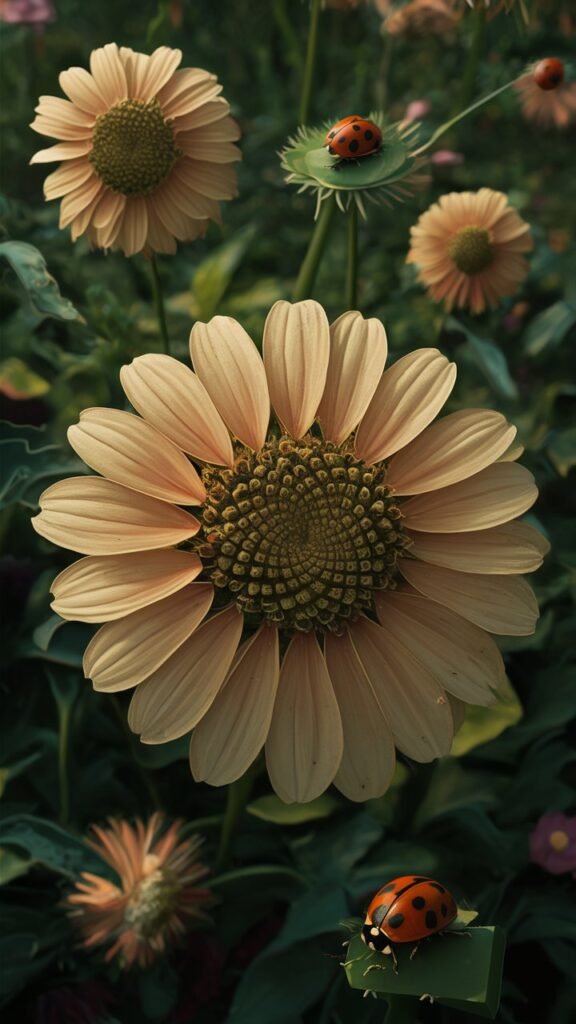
point(549, 73)
point(353, 137)
point(408, 909)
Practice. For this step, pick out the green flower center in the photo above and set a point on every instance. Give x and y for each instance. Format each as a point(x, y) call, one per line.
point(558, 840)
point(300, 533)
point(133, 147)
point(152, 904)
point(471, 250)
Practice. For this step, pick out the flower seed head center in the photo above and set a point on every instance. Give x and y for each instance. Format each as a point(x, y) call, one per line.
point(133, 147)
point(558, 840)
point(152, 903)
point(300, 533)
point(471, 250)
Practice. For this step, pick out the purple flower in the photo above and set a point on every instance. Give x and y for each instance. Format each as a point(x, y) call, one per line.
point(553, 843)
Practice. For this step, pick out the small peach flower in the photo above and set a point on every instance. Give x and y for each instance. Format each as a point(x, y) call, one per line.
point(420, 18)
point(156, 899)
point(146, 150)
point(553, 843)
point(547, 108)
point(469, 248)
point(340, 570)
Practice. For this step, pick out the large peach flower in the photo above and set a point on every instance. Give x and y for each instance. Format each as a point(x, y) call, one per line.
point(146, 149)
point(156, 899)
point(469, 248)
point(332, 593)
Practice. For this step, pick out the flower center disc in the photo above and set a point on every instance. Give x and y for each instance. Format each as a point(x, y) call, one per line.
point(133, 147)
point(152, 904)
point(300, 533)
point(471, 250)
point(559, 840)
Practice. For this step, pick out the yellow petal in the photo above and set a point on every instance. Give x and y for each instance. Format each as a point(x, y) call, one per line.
point(510, 548)
point(358, 350)
point(494, 496)
point(296, 353)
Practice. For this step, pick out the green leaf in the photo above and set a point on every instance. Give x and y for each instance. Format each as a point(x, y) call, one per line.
point(549, 328)
point(16, 768)
point(316, 912)
point(561, 450)
point(51, 845)
point(63, 643)
point(489, 359)
point(277, 989)
point(43, 291)
point(215, 273)
point(18, 381)
point(12, 865)
point(30, 462)
point(482, 724)
point(271, 808)
point(461, 971)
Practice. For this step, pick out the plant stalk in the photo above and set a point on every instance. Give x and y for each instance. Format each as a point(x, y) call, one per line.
point(477, 45)
point(352, 265)
point(237, 798)
point(311, 262)
point(63, 744)
point(308, 80)
point(159, 304)
point(460, 117)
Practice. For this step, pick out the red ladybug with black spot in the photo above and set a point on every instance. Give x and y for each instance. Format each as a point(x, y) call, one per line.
point(407, 909)
point(353, 138)
point(549, 73)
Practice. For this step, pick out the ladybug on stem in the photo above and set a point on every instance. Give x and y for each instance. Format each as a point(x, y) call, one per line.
point(353, 137)
point(549, 73)
point(408, 909)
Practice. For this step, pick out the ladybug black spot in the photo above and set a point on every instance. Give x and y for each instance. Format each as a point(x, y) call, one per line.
point(353, 146)
point(342, 140)
point(356, 128)
point(331, 150)
point(379, 914)
point(418, 902)
point(436, 885)
point(419, 878)
point(444, 910)
point(431, 919)
point(368, 134)
point(396, 921)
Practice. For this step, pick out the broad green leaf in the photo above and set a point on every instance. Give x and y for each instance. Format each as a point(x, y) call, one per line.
point(215, 273)
point(43, 291)
point(51, 845)
point(549, 328)
point(30, 463)
point(18, 381)
point(561, 450)
point(271, 808)
point(482, 724)
point(314, 913)
point(489, 359)
point(11, 771)
point(329, 855)
point(12, 865)
point(461, 971)
point(277, 989)
point(65, 646)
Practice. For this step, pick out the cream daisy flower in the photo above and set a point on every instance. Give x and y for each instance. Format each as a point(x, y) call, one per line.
point(547, 108)
point(469, 249)
point(342, 567)
point(146, 150)
point(156, 899)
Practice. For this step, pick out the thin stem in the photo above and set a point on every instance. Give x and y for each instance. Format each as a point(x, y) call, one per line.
point(306, 95)
point(311, 262)
point(352, 265)
point(159, 303)
point(286, 29)
point(63, 740)
point(238, 796)
point(471, 70)
point(133, 743)
point(460, 117)
point(402, 1010)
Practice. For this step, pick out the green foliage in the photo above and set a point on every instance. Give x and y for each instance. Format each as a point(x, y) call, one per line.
point(42, 290)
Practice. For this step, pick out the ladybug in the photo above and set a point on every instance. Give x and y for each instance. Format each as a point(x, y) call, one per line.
point(353, 137)
point(407, 909)
point(549, 73)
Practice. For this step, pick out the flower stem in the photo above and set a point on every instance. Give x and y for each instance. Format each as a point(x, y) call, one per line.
point(309, 268)
point(306, 95)
point(401, 1010)
point(285, 28)
point(471, 69)
point(460, 117)
point(63, 738)
point(352, 266)
point(238, 796)
point(159, 303)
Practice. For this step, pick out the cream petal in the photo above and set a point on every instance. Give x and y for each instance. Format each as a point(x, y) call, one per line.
point(408, 397)
point(57, 125)
point(98, 517)
point(305, 742)
point(134, 231)
point(159, 69)
point(234, 729)
point(204, 112)
point(514, 452)
point(183, 88)
point(109, 209)
point(79, 85)
point(510, 548)
point(101, 589)
point(81, 221)
point(463, 658)
point(296, 354)
point(358, 350)
point(81, 198)
point(229, 365)
point(451, 450)
point(135, 65)
point(369, 757)
point(413, 702)
point(223, 130)
point(125, 652)
point(108, 73)
point(65, 179)
point(217, 181)
point(489, 498)
point(62, 151)
point(500, 604)
point(174, 400)
point(174, 699)
point(126, 449)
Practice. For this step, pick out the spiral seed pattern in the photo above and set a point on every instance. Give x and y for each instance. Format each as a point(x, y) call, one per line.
point(133, 148)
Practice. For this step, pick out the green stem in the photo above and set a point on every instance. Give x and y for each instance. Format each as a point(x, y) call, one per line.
point(159, 303)
point(311, 262)
point(306, 95)
point(471, 70)
point(352, 266)
point(402, 1010)
point(133, 743)
point(286, 29)
point(63, 739)
point(460, 117)
point(238, 796)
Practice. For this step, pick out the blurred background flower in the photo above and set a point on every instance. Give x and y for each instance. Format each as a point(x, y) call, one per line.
point(553, 844)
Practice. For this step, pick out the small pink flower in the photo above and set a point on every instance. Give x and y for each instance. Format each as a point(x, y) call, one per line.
point(447, 158)
point(553, 843)
point(26, 12)
point(416, 110)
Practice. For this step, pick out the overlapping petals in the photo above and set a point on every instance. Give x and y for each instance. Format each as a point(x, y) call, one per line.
point(325, 709)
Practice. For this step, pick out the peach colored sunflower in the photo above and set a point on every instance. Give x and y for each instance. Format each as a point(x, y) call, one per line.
point(157, 897)
point(469, 248)
point(146, 150)
point(547, 108)
point(340, 571)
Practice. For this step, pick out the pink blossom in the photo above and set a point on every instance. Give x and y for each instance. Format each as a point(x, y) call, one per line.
point(26, 12)
point(553, 843)
point(446, 158)
point(416, 110)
